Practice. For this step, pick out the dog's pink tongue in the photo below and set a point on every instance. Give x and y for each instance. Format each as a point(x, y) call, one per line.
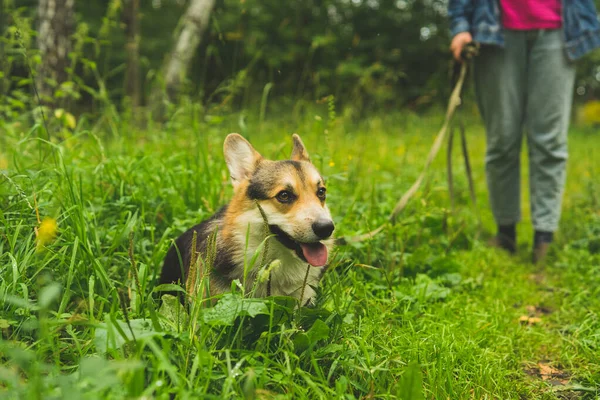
point(315, 253)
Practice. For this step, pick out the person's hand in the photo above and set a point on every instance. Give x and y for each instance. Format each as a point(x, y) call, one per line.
point(458, 43)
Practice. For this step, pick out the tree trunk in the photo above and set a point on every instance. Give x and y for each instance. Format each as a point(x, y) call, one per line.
point(133, 87)
point(193, 24)
point(2, 55)
point(54, 41)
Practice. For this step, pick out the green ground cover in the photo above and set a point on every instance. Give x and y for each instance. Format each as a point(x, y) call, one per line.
point(425, 310)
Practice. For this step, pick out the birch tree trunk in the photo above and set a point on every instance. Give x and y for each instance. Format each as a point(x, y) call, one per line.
point(54, 42)
point(193, 25)
point(132, 48)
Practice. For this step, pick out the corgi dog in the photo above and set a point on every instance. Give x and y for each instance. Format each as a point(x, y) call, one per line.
point(287, 196)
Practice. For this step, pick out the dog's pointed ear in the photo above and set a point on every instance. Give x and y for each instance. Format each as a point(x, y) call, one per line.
point(241, 158)
point(299, 152)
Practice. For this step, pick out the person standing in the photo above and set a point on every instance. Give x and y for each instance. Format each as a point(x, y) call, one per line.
point(524, 79)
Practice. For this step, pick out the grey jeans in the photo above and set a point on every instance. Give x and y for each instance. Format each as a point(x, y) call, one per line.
point(527, 86)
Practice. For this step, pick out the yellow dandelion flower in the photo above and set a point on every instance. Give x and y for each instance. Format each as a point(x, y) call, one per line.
point(46, 232)
point(591, 112)
point(331, 163)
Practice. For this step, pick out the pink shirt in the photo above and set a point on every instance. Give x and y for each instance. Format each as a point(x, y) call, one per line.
point(531, 14)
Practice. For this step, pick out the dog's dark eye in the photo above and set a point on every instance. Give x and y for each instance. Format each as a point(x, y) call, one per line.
point(322, 193)
point(285, 197)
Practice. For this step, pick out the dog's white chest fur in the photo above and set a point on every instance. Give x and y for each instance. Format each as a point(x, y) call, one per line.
point(292, 277)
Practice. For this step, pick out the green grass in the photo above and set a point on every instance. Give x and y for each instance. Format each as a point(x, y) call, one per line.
point(425, 310)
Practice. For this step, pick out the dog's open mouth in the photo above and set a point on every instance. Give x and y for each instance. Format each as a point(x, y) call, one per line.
point(313, 253)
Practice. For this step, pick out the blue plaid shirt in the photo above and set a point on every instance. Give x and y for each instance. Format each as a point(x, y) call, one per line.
point(581, 25)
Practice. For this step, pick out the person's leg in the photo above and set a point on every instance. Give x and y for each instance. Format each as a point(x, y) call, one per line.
point(500, 83)
point(550, 81)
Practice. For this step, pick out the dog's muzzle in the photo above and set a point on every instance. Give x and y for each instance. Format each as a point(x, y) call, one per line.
point(315, 254)
point(323, 228)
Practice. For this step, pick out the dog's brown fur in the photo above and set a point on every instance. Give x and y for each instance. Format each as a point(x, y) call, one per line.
point(298, 225)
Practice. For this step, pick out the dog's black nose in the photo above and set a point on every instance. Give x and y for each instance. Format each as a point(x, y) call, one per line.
point(323, 228)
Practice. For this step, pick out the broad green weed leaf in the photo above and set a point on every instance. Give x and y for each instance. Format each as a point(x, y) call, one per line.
point(451, 279)
point(173, 311)
point(318, 331)
point(411, 383)
point(426, 289)
point(109, 336)
point(232, 306)
point(103, 378)
point(99, 371)
point(301, 342)
point(308, 316)
point(169, 287)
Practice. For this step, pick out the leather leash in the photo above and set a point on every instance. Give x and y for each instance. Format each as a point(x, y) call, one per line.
point(468, 52)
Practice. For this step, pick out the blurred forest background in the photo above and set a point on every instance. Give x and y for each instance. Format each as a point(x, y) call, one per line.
point(227, 55)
